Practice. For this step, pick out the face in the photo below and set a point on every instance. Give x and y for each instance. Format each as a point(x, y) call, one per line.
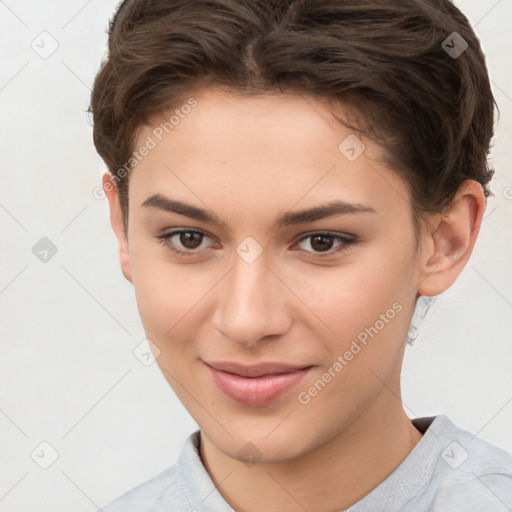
point(326, 298)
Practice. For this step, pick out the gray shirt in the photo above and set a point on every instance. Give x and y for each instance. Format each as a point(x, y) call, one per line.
point(449, 470)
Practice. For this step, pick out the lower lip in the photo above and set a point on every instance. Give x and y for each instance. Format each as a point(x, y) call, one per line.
point(256, 391)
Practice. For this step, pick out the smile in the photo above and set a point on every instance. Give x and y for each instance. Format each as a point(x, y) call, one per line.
point(257, 385)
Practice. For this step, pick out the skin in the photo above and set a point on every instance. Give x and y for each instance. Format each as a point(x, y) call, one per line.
point(248, 161)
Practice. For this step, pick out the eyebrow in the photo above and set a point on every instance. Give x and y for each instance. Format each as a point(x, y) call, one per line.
point(288, 219)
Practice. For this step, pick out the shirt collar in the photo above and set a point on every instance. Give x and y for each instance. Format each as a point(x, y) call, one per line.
point(199, 488)
point(203, 495)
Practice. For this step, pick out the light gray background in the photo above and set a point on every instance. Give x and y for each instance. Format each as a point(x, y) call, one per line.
point(69, 326)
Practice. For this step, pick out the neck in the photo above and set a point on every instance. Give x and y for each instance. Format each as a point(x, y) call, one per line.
point(334, 476)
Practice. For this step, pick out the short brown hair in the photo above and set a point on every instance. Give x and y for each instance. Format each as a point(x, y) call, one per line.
point(387, 60)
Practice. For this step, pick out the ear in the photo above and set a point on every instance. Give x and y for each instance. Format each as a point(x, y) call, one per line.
point(116, 220)
point(449, 238)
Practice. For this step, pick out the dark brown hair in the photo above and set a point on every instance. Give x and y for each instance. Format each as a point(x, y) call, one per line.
point(391, 62)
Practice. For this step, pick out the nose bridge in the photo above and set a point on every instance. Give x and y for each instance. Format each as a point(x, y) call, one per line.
point(251, 302)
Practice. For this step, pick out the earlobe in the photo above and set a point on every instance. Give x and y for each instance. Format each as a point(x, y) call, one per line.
point(448, 243)
point(116, 221)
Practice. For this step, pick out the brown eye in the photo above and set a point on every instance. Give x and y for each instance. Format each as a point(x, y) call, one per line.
point(322, 244)
point(183, 242)
point(190, 239)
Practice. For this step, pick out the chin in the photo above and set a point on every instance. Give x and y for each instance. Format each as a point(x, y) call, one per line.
point(264, 442)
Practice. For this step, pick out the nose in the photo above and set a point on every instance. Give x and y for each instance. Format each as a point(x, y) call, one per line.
point(253, 304)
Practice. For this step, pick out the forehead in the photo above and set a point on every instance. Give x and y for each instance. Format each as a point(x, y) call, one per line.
point(278, 150)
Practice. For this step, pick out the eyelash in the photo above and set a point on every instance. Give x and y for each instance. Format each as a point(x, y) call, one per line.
point(346, 244)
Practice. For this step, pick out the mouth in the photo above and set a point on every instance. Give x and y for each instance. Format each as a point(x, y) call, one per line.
point(256, 385)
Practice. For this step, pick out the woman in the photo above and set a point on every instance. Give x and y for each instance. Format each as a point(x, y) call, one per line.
point(286, 180)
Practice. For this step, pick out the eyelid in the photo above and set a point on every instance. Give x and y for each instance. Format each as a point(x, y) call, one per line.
point(325, 232)
point(347, 239)
point(165, 236)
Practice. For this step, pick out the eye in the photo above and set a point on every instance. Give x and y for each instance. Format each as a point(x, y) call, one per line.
point(177, 241)
point(323, 242)
point(187, 242)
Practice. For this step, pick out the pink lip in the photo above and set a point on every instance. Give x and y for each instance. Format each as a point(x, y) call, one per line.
point(255, 385)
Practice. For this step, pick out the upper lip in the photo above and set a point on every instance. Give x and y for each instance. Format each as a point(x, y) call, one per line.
point(255, 370)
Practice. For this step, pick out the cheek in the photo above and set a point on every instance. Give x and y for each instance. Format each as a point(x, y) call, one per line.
point(171, 298)
point(344, 299)
point(348, 299)
point(369, 312)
